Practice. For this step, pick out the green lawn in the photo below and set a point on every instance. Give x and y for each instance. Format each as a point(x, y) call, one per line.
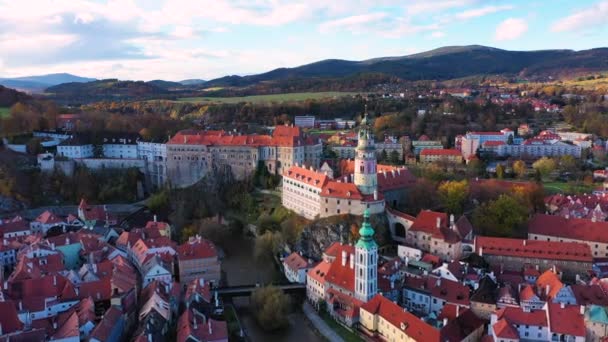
point(4, 112)
point(267, 98)
point(568, 188)
point(346, 334)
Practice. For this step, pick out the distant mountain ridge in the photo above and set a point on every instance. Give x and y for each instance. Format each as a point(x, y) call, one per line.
point(444, 63)
point(39, 83)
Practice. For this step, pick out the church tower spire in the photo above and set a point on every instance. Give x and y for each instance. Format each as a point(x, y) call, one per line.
point(366, 262)
point(366, 178)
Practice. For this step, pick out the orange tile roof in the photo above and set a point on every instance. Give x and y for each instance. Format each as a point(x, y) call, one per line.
point(319, 272)
point(310, 177)
point(48, 217)
point(551, 250)
point(550, 279)
point(503, 329)
point(342, 276)
point(337, 189)
point(401, 319)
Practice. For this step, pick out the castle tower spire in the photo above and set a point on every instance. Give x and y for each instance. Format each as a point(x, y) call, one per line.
point(366, 262)
point(366, 178)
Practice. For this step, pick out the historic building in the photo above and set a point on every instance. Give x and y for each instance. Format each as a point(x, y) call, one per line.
point(192, 154)
point(347, 277)
point(364, 185)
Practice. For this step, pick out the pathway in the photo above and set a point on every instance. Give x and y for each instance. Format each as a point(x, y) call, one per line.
point(319, 324)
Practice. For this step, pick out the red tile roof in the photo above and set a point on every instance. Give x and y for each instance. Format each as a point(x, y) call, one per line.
point(98, 290)
point(342, 276)
point(440, 152)
point(9, 319)
point(195, 325)
point(296, 262)
point(319, 272)
point(14, 227)
point(196, 248)
point(286, 131)
point(401, 319)
point(516, 315)
point(567, 320)
point(590, 294)
point(337, 189)
point(503, 329)
point(69, 329)
point(103, 330)
point(576, 229)
point(550, 250)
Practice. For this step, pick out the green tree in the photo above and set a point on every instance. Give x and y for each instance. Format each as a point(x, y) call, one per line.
point(475, 168)
point(519, 167)
point(500, 171)
point(267, 245)
point(394, 157)
point(502, 217)
point(270, 307)
point(568, 163)
point(453, 195)
point(544, 166)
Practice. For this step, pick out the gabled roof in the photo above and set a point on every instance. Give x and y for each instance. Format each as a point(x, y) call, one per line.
point(304, 175)
point(192, 324)
point(319, 272)
point(198, 287)
point(460, 327)
point(342, 276)
point(69, 329)
point(401, 319)
point(550, 279)
point(104, 328)
point(516, 315)
point(503, 329)
point(296, 262)
point(48, 217)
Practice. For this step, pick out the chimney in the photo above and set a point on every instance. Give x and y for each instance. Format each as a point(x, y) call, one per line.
point(452, 220)
point(562, 305)
point(345, 179)
point(524, 242)
point(210, 329)
point(54, 280)
point(352, 261)
point(581, 310)
point(375, 195)
point(5, 242)
point(439, 222)
point(445, 321)
point(6, 285)
point(55, 325)
point(20, 305)
point(457, 310)
point(480, 251)
point(154, 217)
point(194, 325)
point(547, 288)
point(343, 258)
point(438, 282)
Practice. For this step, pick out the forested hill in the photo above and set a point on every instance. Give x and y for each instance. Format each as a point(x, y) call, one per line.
point(443, 64)
point(109, 89)
point(9, 97)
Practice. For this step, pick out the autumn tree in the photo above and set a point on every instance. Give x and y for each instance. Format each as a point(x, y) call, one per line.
point(502, 217)
point(453, 195)
point(270, 307)
point(422, 195)
point(520, 168)
point(544, 166)
point(500, 171)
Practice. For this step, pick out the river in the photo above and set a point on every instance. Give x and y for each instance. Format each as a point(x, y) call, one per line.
point(241, 269)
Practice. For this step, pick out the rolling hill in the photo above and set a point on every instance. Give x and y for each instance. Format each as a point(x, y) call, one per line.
point(442, 64)
point(39, 83)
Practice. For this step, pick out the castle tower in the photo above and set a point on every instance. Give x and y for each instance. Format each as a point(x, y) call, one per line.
point(366, 262)
point(366, 178)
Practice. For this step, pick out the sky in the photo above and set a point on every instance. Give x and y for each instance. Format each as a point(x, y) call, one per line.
point(182, 39)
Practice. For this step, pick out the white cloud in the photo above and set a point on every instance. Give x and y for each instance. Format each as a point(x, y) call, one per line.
point(437, 34)
point(482, 11)
point(424, 6)
point(510, 29)
point(356, 22)
point(589, 18)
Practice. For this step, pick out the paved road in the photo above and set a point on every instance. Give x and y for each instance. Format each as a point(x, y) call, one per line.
point(319, 324)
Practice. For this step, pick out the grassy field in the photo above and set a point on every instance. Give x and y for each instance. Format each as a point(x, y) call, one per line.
point(4, 112)
point(568, 188)
point(267, 98)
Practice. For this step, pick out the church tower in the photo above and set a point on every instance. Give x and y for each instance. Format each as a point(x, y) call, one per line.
point(366, 178)
point(366, 262)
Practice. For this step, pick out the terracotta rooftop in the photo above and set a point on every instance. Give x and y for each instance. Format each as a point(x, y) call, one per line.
point(567, 320)
point(304, 175)
point(401, 319)
point(296, 262)
point(576, 229)
point(551, 250)
point(440, 152)
point(196, 248)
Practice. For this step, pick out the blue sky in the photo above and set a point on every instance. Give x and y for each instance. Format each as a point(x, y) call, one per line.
point(179, 39)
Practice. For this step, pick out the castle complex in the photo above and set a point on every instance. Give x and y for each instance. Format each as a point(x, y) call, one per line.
point(365, 186)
